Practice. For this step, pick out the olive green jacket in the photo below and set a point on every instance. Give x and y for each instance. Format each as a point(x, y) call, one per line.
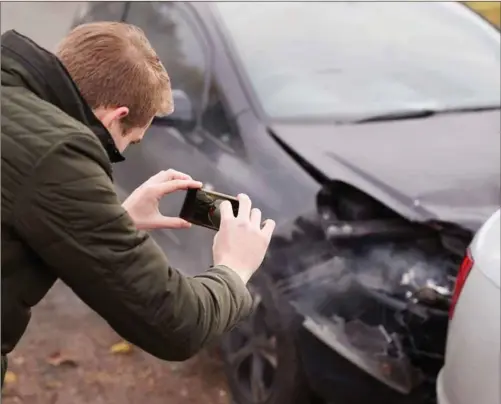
point(61, 219)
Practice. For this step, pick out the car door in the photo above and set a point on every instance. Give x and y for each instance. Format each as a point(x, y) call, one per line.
point(173, 32)
point(216, 152)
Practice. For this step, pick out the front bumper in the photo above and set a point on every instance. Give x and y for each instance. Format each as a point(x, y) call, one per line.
point(356, 346)
point(337, 380)
point(357, 340)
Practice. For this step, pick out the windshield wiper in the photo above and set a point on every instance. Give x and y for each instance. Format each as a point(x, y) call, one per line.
point(397, 115)
point(470, 109)
point(421, 113)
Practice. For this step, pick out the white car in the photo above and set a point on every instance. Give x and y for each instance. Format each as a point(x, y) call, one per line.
point(471, 373)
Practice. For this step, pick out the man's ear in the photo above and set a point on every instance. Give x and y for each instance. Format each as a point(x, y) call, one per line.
point(112, 116)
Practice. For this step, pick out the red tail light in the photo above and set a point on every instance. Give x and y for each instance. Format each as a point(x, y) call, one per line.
point(464, 271)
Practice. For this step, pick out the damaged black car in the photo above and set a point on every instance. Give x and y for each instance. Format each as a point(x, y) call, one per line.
point(370, 131)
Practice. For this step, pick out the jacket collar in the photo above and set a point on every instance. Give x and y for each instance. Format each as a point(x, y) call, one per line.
point(43, 73)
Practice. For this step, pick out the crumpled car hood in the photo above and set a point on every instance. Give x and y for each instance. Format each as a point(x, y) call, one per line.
point(444, 168)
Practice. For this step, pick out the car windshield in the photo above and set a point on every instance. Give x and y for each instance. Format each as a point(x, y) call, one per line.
point(349, 59)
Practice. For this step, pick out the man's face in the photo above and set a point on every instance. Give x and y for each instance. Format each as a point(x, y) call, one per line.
point(112, 118)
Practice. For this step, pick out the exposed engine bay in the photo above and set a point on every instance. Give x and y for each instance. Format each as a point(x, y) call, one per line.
point(372, 285)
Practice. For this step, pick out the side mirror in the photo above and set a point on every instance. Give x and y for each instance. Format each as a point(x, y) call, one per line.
point(183, 116)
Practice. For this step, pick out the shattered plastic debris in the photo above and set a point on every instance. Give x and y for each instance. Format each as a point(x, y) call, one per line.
point(372, 349)
point(406, 272)
point(430, 292)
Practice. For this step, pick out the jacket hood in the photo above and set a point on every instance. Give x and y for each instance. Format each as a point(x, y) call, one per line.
point(444, 168)
point(25, 64)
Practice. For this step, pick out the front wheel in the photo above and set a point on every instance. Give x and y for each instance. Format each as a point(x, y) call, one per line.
point(260, 355)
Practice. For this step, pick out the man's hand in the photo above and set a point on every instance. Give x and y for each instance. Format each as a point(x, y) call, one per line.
point(142, 204)
point(241, 242)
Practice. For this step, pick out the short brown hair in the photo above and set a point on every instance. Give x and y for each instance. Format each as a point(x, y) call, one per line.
point(113, 64)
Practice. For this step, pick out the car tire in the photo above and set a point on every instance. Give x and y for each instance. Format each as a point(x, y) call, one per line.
point(260, 355)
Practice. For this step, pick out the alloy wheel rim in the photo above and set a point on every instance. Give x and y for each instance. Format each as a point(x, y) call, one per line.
point(252, 354)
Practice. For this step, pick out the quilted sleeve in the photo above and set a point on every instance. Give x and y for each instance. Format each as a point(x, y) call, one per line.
point(70, 215)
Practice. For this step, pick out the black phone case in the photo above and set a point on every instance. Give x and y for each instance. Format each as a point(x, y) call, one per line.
point(194, 210)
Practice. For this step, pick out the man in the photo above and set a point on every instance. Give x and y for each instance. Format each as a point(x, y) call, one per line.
point(64, 121)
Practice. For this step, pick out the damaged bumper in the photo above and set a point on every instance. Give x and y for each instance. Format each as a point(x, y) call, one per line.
point(382, 308)
point(371, 355)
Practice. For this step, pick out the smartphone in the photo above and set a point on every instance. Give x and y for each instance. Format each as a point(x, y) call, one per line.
point(201, 207)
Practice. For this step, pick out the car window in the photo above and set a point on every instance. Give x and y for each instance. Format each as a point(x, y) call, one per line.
point(343, 59)
point(215, 120)
point(176, 43)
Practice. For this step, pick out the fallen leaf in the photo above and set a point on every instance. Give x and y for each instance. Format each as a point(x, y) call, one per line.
point(58, 359)
point(10, 377)
point(121, 348)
